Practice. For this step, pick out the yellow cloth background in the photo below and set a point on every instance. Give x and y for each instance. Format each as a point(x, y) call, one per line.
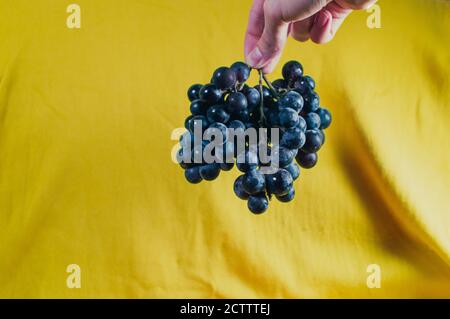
point(86, 175)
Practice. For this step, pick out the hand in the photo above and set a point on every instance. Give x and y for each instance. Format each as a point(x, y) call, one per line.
point(272, 21)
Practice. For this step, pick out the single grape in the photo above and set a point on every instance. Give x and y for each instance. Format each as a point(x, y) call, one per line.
point(288, 197)
point(325, 117)
point(312, 121)
point(238, 188)
point(279, 182)
point(273, 118)
point(224, 78)
point(313, 141)
point(193, 92)
point(210, 93)
point(306, 160)
point(312, 101)
point(309, 81)
point(217, 113)
point(292, 100)
point(254, 182)
point(210, 172)
point(193, 175)
point(253, 98)
point(292, 71)
point(198, 107)
point(301, 123)
point(236, 102)
point(258, 204)
point(294, 170)
point(241, 70)
point(293, 138)
point(288, 117)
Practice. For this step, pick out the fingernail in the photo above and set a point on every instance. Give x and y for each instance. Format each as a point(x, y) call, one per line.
point(254, 59)
point(322, 20)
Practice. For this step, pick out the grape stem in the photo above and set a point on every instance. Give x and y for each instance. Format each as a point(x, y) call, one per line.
point(261, 100)
point(269, 84)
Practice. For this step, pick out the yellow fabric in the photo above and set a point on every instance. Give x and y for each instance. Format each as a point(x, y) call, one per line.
point(86, 175)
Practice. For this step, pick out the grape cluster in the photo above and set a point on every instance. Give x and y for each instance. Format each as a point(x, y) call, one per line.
point(289, 105)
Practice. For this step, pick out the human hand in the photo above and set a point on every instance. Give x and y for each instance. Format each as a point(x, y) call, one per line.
point(272, 21)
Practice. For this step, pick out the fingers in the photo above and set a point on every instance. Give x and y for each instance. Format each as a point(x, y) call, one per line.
point(255, 26)
point(321, 27)
point(327, 22)
point(272, 40)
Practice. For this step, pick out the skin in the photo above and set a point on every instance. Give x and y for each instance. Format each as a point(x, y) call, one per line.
point(271, 22)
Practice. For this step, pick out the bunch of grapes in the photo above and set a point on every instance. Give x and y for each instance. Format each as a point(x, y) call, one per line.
point(227, 104)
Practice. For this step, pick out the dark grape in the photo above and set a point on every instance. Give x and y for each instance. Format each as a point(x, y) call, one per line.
point(313, 141)
point(279, 182)
point(258, 204)
point(254, 182)
point(288, 117)
point(241, 70)
point(236, 124)
point(306, 160)
point(210, 172)
point(292, 71)
point(217, 113)
point(193, 175)
point(325, 117)
point(293, 138)
point(210, 93)
point(238, 188)
point(247, 161)
point(224, 78)
point(253, 98)
point(236, 102)
point(193, 92)
point(292, 100)
point(198, 107)
point(312, 101)
point(279, 84)
point(288, 197)
point(198, 120)
point(226, 166)
point(312, 121)
point(294, 170)
point(310, 82)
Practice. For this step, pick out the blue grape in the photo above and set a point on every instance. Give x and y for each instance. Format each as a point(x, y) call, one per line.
point(313, 141)
point(198, 120)
point(288, 197)
point(311, 101)
point(325, 117)
point(294, 170)
point(198, 107)
point(224, 78)
point(312, 121)
point(238, 188)
point(292, 71)
point(292, 100)
point(217, 113)
point(210, 172)
point(193, 175)
point(306, 160)
point(288, 117)
point(236, 102)
point(293, 138)
point(241, 70)
point(254, 182)
point(193, 92)
point(247, 161)
point(258, 204)
point(236, 124)
point(279, 182)
point(210, 94)
point(253, 98)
